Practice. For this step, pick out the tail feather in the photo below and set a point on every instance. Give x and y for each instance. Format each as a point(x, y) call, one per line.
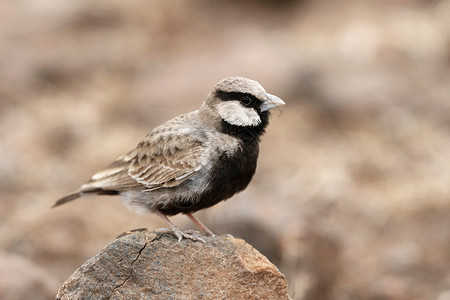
point(78, 194)
point(67, 198)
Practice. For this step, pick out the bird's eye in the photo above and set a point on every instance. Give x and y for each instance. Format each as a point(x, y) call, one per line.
point(246, 101)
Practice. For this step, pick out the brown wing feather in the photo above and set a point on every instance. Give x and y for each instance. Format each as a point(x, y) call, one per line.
point(168, 161)
point(170, 154)
point(113, 178)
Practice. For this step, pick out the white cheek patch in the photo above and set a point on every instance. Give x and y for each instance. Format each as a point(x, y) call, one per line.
point(236, 114)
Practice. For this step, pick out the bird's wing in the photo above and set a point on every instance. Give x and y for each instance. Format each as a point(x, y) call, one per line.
point(169, 155)
point(167, 159)
point(113, 178)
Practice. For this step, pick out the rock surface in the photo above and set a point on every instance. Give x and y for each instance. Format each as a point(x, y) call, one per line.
point(150, 265)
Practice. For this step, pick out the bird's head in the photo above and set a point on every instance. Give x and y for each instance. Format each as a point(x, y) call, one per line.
point(240, 102)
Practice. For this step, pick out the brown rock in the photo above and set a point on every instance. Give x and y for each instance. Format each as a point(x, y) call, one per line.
point(149, 265)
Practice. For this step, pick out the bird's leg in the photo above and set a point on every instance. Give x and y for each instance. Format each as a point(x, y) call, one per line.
point(200, 225)
point(175, 230)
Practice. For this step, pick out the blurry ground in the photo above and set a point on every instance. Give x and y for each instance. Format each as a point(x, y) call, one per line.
point(352, 194)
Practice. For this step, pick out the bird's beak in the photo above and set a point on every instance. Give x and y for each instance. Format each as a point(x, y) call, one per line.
point(271, 102)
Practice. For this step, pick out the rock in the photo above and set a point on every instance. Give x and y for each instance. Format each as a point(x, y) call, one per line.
point(150, 265)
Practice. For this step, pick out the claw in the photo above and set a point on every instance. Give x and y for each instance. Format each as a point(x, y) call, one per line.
point(189, 234)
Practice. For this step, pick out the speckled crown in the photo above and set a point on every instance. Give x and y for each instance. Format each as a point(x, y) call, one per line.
point(241, 85)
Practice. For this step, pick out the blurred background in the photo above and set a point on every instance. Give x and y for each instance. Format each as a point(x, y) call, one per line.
point(351, 199)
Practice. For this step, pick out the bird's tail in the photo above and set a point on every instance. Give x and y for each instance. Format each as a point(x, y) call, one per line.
point(67, 198)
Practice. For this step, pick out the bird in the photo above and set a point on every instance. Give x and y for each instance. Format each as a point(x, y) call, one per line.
point(192, 161)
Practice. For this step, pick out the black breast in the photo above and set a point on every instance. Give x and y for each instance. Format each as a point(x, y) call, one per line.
point(230, 174)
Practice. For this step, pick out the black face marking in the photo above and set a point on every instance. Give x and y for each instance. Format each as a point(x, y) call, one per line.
point(246, 99)
point(248, 134)
point(245, 133)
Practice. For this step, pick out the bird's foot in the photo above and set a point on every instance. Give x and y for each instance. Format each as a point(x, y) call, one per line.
point(188, 234)
point(209, 233)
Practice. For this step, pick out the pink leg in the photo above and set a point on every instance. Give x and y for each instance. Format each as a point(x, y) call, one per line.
point(200, 225)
